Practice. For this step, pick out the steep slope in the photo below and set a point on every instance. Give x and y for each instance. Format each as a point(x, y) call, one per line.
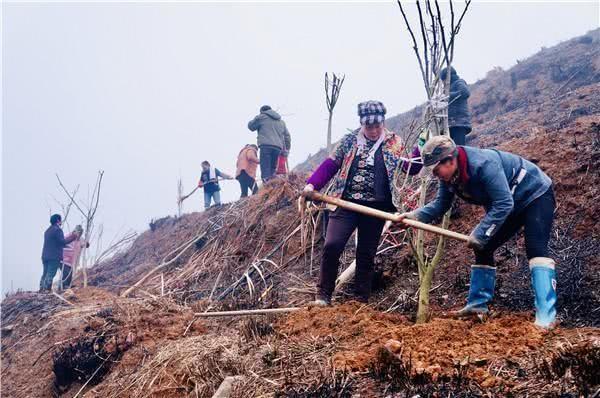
point(257, 252)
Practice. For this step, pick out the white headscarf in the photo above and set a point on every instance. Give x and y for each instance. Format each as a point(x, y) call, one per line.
point(361, 142)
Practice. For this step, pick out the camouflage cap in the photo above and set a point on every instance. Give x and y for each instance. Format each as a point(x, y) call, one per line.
point(437, 149)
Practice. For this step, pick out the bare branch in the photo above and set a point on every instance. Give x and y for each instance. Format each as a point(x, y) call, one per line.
point(416, 49)
point(115, 247)
point(456, 28)
point(443, 33)
point(333, 87)
point(424, 37)
point(71, 197)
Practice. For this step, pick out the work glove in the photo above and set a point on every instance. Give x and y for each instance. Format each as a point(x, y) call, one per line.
point(302, 198)
point(474, 243)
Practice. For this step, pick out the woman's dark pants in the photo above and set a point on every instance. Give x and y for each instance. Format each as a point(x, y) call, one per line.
point(339, 229)
point(66, 275)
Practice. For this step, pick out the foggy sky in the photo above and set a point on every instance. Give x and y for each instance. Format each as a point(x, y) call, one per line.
point(146, 92)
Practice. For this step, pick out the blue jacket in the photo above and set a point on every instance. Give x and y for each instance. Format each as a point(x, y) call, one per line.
point(502, 182)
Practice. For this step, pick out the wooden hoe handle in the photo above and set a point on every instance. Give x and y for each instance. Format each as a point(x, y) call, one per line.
point(385, 215)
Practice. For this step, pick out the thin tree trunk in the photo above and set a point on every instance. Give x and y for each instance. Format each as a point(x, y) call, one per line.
point(426, 275)
point(425, 286)
point(329, 132)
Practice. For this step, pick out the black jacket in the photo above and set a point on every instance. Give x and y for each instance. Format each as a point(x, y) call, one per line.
point(458, 108)
point(54, 243)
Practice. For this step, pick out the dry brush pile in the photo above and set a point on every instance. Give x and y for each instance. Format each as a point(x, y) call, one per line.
point(250, 246)
point(53, 347)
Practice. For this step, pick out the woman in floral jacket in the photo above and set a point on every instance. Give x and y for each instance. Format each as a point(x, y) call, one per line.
point(364, 163)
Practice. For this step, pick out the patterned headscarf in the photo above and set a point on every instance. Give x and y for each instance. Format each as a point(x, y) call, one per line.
point(371, 112)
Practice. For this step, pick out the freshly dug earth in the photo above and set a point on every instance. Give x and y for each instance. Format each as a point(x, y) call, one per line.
point(353, 350)
point(435, 347)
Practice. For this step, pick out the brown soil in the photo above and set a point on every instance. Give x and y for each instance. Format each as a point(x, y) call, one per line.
point(45, 336)
point(435, 347)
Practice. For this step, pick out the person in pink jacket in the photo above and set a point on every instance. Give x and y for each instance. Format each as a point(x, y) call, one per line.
point(71, 254)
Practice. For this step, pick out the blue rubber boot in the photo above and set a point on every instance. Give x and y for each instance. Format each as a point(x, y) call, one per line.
point(543, 281)
point(481, 292)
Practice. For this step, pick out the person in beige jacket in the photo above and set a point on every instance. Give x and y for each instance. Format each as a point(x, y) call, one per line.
point(245, 173)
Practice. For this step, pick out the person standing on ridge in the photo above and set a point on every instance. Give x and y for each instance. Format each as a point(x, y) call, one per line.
point(209, 180)
point(273, 140)
point(71, 254)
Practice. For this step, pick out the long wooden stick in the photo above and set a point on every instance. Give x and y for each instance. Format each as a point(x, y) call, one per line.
point(385, 215)
point(247, 312)
point(62, 298)
point(181, 199)
point(212, 292)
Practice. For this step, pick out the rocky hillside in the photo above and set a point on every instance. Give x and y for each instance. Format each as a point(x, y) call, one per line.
point(258, 252)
